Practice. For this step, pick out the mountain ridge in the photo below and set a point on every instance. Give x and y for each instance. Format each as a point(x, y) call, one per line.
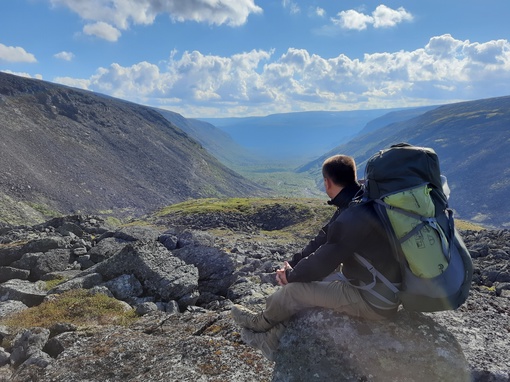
point(72, 150)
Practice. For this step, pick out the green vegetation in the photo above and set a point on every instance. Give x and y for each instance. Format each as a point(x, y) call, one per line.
point(468, 226)
point(282, 179)
point(77, 307)
point(50, 284)
point(44, 210)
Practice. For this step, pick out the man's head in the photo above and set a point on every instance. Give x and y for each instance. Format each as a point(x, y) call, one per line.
point(339, 171)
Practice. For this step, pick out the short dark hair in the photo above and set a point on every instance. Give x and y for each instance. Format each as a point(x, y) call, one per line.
point(341, 169)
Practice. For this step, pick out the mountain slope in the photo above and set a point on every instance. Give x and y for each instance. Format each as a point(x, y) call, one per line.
point(72, 150)
point(216, 141)
point(472, 140)
point(394, 117)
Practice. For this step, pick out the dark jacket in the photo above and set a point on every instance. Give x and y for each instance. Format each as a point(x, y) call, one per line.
point(354, 229)
point(341, 201)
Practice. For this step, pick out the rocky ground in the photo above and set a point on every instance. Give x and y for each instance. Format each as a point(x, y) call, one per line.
point(182, 283)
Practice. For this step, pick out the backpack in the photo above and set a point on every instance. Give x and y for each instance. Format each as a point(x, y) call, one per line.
point(405, 185)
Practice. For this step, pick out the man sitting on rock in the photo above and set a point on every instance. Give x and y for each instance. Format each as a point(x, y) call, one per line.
point(326, 273)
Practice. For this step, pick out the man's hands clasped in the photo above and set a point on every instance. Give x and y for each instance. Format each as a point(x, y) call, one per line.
point(281, 275)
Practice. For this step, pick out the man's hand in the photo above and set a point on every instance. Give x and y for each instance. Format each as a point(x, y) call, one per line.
point(281, 276)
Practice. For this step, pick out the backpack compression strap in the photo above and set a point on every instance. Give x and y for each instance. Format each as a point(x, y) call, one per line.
point(393, 287)
point(424, 220)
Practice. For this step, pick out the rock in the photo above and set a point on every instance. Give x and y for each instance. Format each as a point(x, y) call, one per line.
point(133, 233)
point(39, 263)
point(169, 240)
point(196, 238)
point(9, 273)
point(105, 249)
point(10, 253)
point(80, 282)
point(482, 329)
point(32, 367)
point(28, 343)
point(4, 357)
point(320, 345)
point(125, 286)
point(11, 306)
point(30, 294)
point(215, 268)
point(186, 347)
point(145, 308)
point(44, 244)
point(62, 327)
point(160, 273)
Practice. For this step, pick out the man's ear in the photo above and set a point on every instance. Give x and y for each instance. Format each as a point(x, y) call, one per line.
point(327, 183)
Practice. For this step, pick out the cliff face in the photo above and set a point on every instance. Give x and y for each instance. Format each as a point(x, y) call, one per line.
point(69, 150)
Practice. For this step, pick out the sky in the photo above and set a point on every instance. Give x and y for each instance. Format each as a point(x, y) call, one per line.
point(237, 58)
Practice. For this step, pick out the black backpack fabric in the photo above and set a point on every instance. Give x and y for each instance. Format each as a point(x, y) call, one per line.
point(401, 172)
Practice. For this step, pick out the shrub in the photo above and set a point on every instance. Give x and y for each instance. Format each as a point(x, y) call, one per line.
point(78, 307)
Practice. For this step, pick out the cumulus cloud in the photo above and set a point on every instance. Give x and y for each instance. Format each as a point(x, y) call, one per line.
point(385, 17)
point(102, 30)
point(15, 54)
point(352, 19)
point(108, 18)
point(73, 82)
point(381, 17)
point(66, 56)
point(259, 82)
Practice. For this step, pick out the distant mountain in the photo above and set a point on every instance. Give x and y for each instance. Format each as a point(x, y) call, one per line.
point(472, 140)
point(216, 141)
point(296, 136)
point(70, 151)
point(393, 117)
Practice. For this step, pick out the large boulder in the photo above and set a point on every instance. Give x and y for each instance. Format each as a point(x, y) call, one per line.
point(40, 263)
point(161, 274)
point(30, 294)
point(321, 345)
point(215, 268)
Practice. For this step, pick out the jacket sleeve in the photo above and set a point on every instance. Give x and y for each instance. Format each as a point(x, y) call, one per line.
point(311, 247)
point(315, 243)
point(343, 238)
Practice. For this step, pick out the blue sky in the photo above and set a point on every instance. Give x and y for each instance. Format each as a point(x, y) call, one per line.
point(226, 58)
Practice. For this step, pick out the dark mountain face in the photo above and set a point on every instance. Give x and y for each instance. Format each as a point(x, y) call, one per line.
point(73, 150)
point(216, 141)
point(472, 140)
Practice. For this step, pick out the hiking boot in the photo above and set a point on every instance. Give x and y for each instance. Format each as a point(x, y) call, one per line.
point(266, 342)
point(250, 320)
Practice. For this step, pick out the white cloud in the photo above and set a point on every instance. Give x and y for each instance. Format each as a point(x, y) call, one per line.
point(320, 12)
point(102, 30)
point(381, 17)
point(15, 54)
point(24, 74)
point(73, 82)
point(385, 17)
point(352, 19)
point(66, 56)
point(258, 82)
point(119, 15)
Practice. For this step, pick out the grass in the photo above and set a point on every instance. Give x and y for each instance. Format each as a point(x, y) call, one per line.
point(50, 284)
point(77, 307)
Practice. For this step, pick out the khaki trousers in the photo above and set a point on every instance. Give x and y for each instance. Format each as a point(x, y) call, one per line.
point(336, 295)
